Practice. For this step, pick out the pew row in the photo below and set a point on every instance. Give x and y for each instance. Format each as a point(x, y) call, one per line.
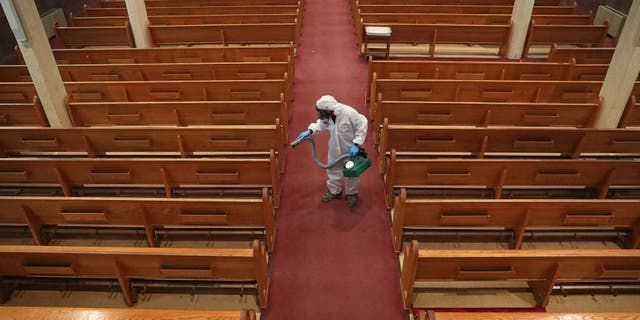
point(631, 115)
point(23, 114)
point(164, 174)
point(73, 37)
point(483, 70)
point(496, 175)
point(466, 18)
point(175, 90)
point(178, 113)
point(462, 9)
point(430, 315)
point(581, 55)
point(145, 213)
point(514, 215)
point(428, 141)
point(540, 268)
point(225, 34)
point(453, 2)
point(130, 264)
point(171, 55)
point(486, 90)
point(188, 19)
point(593, 35)
point(434, 34)
point(61, 313)
point(197, 3)
point(161, 72)
point(199, 10)
point(139, 91)
point(484, 114)
point(148, 141)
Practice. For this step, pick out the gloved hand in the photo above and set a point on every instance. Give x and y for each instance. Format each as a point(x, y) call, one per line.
point(354, 149)
point(303, 135)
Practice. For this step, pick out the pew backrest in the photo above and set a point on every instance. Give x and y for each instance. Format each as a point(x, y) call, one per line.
point(148, 141)
point(177, 113)
point(516, 215)
point(126, 264)
point(37, 212)
point(484, 113)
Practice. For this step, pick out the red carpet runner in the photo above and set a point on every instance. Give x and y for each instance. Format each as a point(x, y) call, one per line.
point(330, 261)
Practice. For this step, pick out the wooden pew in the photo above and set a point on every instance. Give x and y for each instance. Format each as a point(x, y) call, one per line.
point(433, 34)
point(172, 55)
point(60, 313)
point(419, 141)
point(448, 6)
point(456, 2)
point(190, 19)
point(514, 215)
point(581, 55)
point(159, 72)
point(434, 18)
point(23, 114)
point(477, 9)
point(69, 37)
point(484, 114)
point(178, 113)
point(496, 175)
point(190, 10)
point(229, 173)
point(185, 142)
point(197, 3)
point(194, 90)
point(486, 90)
point(483, 70)
point(631, 115)
point(17, 92)
point(147, 213)
point(468, 18)
point(156, 72)
point(422, 315)
point(565, 34)
point(224, 34)
point(540, 268)
point(130, 264)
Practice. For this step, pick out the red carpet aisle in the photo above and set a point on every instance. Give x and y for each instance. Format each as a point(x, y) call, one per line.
point(330, 261)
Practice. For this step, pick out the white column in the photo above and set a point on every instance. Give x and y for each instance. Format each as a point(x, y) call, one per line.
point(139, 20)
point(38, 56)
point(520, 18)
point(623, 72)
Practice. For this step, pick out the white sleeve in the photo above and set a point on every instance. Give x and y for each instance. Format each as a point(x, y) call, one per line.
point(360, 124)
point(317, 126)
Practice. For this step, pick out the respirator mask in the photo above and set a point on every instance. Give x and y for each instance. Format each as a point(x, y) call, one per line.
point(324, 115)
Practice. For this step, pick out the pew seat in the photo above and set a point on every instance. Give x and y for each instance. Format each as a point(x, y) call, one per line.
point(61, 313)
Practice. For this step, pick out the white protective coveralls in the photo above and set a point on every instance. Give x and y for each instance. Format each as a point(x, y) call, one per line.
point(349, 127)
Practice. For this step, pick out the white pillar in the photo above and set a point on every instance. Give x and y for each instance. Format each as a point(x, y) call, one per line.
point(520, 18)
point(139, 23)
point(38, 56)
point(623, 72)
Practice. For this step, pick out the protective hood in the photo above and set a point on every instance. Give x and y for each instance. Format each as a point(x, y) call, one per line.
point(326, 103)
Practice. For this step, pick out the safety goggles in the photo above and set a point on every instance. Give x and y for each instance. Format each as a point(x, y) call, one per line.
point(324, 114)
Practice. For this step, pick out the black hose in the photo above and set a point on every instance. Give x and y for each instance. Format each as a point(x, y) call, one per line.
point(314, 152)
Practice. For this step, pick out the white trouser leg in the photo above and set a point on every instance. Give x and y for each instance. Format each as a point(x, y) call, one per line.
point(334, 183)
point(351, 185)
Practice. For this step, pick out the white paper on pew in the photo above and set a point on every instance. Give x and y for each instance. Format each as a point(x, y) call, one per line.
point(378, 31)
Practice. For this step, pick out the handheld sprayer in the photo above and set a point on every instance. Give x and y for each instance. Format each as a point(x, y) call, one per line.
point(353, 168)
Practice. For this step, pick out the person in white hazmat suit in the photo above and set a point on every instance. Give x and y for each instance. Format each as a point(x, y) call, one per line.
point(348, 130)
